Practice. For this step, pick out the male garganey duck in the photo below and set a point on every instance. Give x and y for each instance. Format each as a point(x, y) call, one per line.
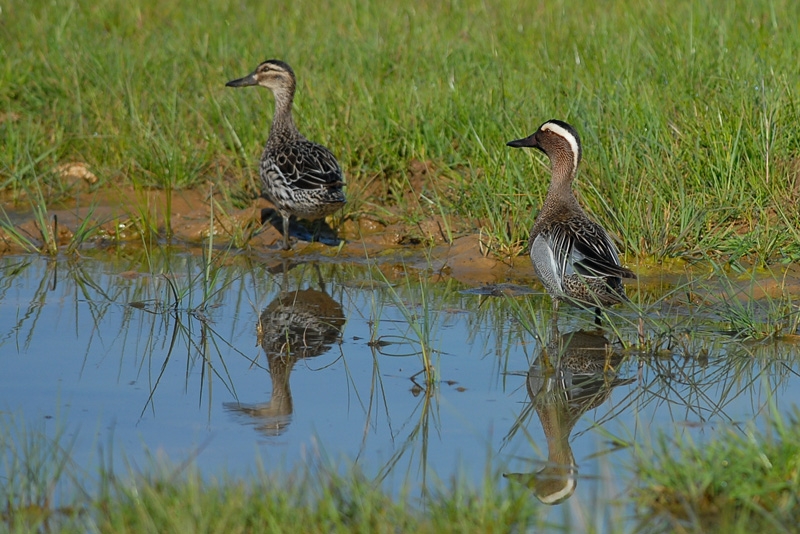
point(573, 256)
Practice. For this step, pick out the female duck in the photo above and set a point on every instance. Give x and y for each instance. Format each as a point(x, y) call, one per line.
point(299, 177)
point(573, 256)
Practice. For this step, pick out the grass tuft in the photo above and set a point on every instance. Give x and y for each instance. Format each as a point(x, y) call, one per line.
point(741, 482)
point(687, 111)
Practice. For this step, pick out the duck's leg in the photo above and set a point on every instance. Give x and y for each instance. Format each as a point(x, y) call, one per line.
point(607, 367)
point(285, 217)
point(320, 281)
point(554, 320)
point(548, 363)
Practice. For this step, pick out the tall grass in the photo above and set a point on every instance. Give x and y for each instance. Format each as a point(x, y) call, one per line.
point(687, 110)
point(44, 490)
point(739, 482)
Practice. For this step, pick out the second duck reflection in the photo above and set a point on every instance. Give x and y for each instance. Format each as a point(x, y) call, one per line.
point(297, 324)
point(572, 374)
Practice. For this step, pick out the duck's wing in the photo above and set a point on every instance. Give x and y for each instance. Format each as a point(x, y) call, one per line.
point(585, 248)
point(548, 265)
point(306, 165)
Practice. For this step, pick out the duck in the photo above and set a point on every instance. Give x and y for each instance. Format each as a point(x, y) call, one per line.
point(299, 177)
point(571, 375)
point(297, 324)
point(574, 257)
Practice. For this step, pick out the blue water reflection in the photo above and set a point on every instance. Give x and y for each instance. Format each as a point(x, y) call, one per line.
point(295, 364)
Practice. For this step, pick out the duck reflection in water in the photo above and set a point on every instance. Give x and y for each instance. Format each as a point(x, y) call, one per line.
point(574, 373)
point(297, 324)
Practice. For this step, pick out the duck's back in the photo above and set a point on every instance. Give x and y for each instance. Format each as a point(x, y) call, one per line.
point(302, 177)
point(576, 259)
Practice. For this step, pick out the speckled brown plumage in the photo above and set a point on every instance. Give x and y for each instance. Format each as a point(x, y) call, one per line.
point(296, 325)
point(298, 176)
point(567, 379)
point(573, 256)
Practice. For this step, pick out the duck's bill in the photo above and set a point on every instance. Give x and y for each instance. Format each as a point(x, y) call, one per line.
point(248, 80)
point(524, 142)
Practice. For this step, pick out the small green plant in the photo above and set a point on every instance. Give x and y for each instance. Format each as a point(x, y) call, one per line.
point(19, 238)
point(47, 242)
point(750, 306)
point(744, 481)
point(418, 315)
point(34, 465)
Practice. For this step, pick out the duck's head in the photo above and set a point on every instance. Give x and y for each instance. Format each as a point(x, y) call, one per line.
point(272, 74)
point(558, 140)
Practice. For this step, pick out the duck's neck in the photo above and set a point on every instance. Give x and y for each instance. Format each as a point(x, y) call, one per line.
point(560, 190)
point(282, 122)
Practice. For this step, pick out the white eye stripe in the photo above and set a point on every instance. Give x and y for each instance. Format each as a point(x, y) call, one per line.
point(568, 137)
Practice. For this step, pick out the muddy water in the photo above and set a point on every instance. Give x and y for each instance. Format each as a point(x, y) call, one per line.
point(289, 363)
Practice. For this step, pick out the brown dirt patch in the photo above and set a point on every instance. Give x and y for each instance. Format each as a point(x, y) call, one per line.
point(129, 216)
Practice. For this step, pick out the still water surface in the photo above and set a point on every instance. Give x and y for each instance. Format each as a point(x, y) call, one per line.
point(289, 365)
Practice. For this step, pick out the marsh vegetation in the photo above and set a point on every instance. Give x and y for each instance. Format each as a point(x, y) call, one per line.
point(166, 367)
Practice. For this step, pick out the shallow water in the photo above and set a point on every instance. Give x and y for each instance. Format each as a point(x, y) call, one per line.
point(284, 365)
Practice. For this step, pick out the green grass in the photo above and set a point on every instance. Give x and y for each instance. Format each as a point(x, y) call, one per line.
point(43, 490)
point(337, 504)
point(735, 482)
point(739, 482)
point(687, 110)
